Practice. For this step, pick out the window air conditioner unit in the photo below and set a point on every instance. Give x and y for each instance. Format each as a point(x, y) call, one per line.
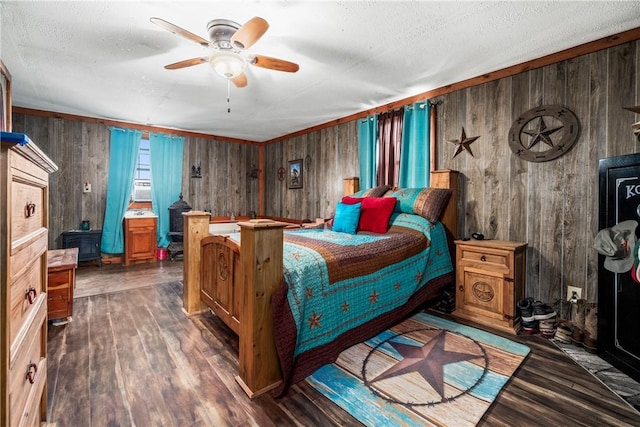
point(141, 190)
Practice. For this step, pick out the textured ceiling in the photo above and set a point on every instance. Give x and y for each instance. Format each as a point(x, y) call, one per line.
point(105, 59)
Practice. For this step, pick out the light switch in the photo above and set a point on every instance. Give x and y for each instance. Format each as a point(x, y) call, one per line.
point(87, 187)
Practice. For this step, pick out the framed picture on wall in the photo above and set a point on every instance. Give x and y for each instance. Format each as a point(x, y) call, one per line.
point(295, 174)
point(5, 98)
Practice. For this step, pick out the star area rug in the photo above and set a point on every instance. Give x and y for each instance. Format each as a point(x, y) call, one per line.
point(424, 371)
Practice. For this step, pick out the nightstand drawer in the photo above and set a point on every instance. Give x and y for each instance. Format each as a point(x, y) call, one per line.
point(498, 258)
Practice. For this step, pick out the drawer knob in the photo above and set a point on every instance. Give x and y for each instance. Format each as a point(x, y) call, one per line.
point(29, 209)
point(30, 295)
point(483, 258)
point(461, 288)
point(32, 369)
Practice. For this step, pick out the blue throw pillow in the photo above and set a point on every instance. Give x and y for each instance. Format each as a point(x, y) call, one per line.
point(346, 218)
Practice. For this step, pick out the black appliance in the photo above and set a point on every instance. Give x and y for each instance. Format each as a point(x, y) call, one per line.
point(88, 243)
point(618, 293)
point(176, 227)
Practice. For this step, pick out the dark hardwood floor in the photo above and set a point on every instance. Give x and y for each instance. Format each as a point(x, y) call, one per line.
point(132, 357)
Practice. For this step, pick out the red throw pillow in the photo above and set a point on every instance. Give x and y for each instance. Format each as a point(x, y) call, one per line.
point(348, 200)
point(375, 213)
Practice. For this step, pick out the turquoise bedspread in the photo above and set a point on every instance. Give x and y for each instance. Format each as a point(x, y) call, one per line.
point(337, 280)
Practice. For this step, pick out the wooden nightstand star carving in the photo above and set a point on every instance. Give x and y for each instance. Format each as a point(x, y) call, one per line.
point(464, 143)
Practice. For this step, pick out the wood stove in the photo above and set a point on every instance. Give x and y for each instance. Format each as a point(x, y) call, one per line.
point(176, 227)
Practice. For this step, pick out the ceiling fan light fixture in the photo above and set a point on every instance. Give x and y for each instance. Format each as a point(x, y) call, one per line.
point(227, 64)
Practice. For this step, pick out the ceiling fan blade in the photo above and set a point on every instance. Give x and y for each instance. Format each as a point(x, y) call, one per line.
point(249, 33)
point(240, 80)
point(274, 64)
point(186, 63)
point(180, 31)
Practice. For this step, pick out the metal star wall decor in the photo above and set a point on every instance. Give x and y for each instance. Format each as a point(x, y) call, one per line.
point(464, 143)
point(555, 126)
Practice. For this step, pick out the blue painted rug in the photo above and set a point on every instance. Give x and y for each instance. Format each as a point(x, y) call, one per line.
point(424, 371)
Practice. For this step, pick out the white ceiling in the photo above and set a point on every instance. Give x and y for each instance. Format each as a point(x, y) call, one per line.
point(105, 59)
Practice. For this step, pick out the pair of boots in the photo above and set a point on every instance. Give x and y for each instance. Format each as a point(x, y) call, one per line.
point(585, 325)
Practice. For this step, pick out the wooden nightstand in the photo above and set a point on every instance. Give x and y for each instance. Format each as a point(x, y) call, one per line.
point(490, 279)
point(61, 268)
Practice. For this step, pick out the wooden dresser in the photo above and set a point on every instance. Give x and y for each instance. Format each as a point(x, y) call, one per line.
point(24, 216)
point(490, 279)
point(62, 264)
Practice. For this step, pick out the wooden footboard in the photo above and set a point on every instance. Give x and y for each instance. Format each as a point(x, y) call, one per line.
point(237, 283)
point(221, 276)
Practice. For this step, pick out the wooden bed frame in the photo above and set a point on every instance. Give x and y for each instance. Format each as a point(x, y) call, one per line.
point(237, 284)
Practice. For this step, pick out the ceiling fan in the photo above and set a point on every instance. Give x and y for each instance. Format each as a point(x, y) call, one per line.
point(228, 41)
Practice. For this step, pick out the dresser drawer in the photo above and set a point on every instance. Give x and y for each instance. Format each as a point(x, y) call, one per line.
point(28, 210)
point(28, 371)
point(23, 254)
point(60, 280)
point(25, 290)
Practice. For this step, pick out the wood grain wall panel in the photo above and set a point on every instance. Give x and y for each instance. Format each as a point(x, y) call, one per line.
point(622, 77)
point(496, 121)
point(473, 125)
point(552, 193)
point(333, 156)
point(575, 184)
point(596, 139)
point(225, 187)
point(533, 216)
point(518, 169)
point(94, 144)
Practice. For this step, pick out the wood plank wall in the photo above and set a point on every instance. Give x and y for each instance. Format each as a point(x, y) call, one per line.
point(81, 151)
point(553, 206)
point(329, 155)
point(226, 187)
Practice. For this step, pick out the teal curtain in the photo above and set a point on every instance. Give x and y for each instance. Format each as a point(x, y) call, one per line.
point(123, 155)
point(368, 151)
point(166, 178)
point(415, 157)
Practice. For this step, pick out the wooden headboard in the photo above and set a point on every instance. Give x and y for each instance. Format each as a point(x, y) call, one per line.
point(446, 178)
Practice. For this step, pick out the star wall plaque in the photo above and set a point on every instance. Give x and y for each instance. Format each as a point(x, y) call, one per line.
point(464, 143)
point(544, 133)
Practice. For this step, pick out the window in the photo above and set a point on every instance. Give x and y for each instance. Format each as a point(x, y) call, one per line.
point(141, 191)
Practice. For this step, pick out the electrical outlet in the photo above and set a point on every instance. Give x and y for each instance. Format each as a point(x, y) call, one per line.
point(570, 293)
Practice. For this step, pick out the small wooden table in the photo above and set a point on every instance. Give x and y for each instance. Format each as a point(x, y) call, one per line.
point(62, 264)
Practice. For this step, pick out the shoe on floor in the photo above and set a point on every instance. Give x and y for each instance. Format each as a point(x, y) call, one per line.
point(548, 328)
point(530, 327)
point(564, 330)
point(525, 309)
point(542, 311)
point(590, 339)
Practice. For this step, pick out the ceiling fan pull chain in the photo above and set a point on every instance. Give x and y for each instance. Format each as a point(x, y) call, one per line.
point(228, 96)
